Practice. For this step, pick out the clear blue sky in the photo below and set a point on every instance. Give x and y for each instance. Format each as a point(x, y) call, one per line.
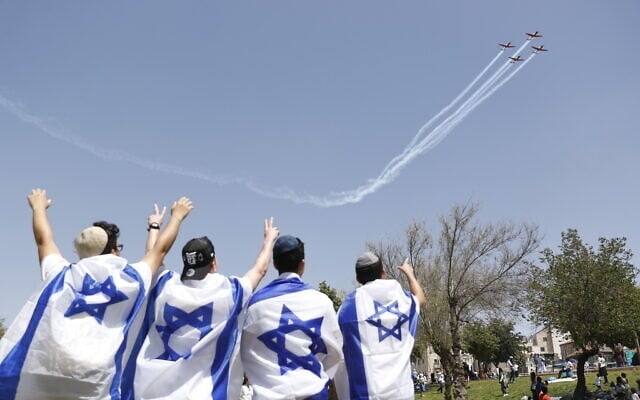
point(112, 106)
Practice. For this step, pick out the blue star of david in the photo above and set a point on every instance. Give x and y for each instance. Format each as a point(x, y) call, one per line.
point(175, 318)
point(90, 287)
point(275, 340)
point(383, 331)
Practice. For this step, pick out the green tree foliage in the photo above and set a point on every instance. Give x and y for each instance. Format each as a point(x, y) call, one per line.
point(469, 272)
point(511, 343)
point(332, 293)
point(494, 341)
point(587, 292)
point(480, 341)
point(2, 328)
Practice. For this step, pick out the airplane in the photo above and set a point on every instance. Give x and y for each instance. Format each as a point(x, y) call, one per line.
point(533, 35)
point(506, 45)
point(539, 49)
point(514, 59)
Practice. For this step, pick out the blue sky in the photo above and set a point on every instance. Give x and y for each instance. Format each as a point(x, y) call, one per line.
point(112, 106)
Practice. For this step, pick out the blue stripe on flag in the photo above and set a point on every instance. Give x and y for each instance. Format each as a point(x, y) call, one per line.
point(11, 366)
point(279, 287)
point(226, 344)
point(354, 360)
point(128, 392)
point(413, 314)
point(115, 385)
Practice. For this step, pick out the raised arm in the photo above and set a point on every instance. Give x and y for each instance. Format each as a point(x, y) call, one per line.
point(154, 223)
point(414, 285)
point(260, 267)
point(42, 232)
point(179, 212)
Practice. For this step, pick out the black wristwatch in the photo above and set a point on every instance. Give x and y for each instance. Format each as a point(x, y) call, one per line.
point(153, 225)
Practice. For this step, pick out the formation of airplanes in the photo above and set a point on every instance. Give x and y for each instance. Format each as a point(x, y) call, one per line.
point(536, 49)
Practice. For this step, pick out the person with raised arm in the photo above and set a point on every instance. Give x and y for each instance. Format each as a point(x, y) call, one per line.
point(74, 336)
point(194, 320)
point(378, 323)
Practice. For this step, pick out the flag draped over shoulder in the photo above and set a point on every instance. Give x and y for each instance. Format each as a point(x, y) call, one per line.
point(71, 340)
point(291, 342)
point(378, 323)
point(192, 330)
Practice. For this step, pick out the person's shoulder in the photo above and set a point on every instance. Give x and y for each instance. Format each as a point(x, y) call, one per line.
point(53, 259)
point(52, 264)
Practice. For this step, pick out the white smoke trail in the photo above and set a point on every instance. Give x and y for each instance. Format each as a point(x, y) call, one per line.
point(416, 147)
point(107, 154)
point(485, 86)
point(455, 101)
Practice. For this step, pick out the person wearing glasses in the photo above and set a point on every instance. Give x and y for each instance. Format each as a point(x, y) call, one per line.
point(291, 343)
point(189, 344)
point(74, 336)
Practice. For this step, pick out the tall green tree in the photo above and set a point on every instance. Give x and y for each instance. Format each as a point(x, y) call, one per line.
point(587, 292)
point(482, 342)
point(473, 269)
point(494, 341)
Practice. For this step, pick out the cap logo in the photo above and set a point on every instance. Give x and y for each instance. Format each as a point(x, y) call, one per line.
point(193, 257)
point(190, 272)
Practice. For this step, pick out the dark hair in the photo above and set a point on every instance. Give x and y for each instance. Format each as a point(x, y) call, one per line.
point(369, 273)
point(113, 232)
point(289, 261)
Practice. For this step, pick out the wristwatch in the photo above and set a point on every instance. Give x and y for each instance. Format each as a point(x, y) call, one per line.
point(153, 225)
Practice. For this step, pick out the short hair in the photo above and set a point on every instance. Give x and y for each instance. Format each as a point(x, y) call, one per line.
point(113, 232)
point(289, 261)
point(369, 273)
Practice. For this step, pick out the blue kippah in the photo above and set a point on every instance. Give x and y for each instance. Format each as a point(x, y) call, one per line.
point(285, 244)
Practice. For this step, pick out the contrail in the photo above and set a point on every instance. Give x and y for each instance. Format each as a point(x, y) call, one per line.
point(416, 146)
point(408, 149)
point(106, 154)
point(439, 114)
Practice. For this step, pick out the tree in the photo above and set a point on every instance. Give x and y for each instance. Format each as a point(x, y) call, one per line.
point(482, 343)
point(332, 293)
point(2, 328)
point(336, 297)
point(589, 293)
point(494, 341)
point(473, 270)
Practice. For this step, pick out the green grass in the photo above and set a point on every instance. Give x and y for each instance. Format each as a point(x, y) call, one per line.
point(490, 389)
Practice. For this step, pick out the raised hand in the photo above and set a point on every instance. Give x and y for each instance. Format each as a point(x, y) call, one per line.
point(271, 233)
point(181, 208)
point(38, 199)
point(157, 216)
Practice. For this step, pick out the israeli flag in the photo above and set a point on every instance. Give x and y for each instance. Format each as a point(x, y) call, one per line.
point(72, 338)
point(190, 348)
point(291, 342)
point(378, 323)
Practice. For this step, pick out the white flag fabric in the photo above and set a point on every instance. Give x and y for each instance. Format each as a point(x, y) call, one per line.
point(291, 342)
point(190, 350)
point(72, 338)
point(378, 323)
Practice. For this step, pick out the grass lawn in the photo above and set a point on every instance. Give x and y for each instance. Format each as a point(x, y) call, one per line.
point(490, 389)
